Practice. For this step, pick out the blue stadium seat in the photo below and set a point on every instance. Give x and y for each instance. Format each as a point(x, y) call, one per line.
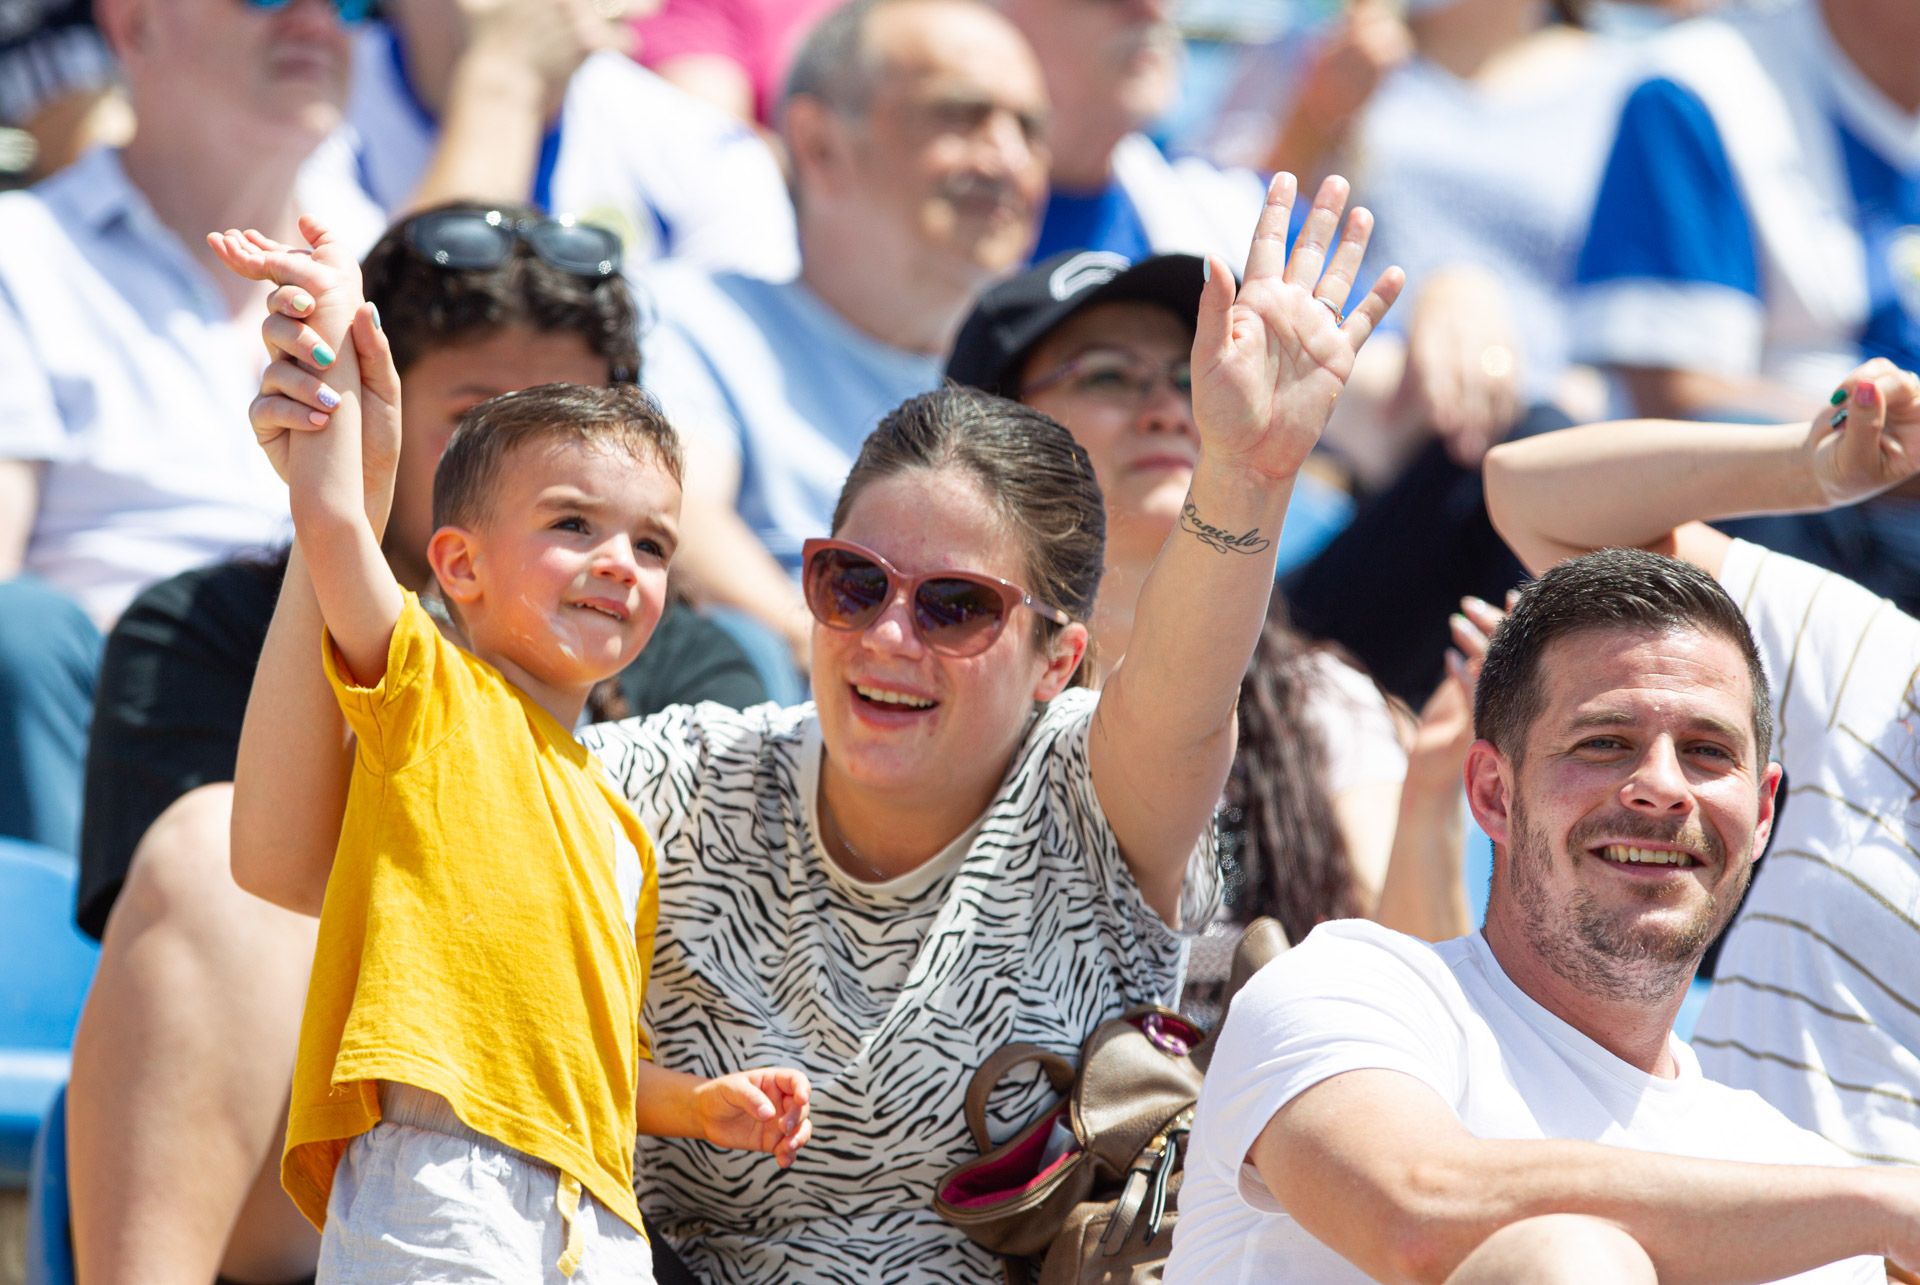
point(49, 1244)
point(45, 965)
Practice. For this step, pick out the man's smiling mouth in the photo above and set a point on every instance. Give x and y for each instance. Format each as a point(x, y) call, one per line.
point(1625, 854)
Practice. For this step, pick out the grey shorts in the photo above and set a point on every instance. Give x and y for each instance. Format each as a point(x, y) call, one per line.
point(421, 1197)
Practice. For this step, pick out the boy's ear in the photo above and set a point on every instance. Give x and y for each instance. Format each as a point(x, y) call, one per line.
point(454, 555)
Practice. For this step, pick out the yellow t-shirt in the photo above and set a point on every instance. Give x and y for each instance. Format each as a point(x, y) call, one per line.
point(486, 933)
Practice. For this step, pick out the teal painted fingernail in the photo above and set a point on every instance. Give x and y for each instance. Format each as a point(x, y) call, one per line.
point(1839, 418)
point(376, 315)
point(322, 355)
point(1839, 395)
point(1206, 271)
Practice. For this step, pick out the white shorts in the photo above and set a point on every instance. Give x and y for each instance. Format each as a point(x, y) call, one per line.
point(421, 1197)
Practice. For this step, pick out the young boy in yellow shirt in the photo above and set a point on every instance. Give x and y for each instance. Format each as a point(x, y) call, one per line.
point(472, 1071)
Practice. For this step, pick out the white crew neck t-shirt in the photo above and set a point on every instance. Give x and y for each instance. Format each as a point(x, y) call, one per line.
point(1355, 996)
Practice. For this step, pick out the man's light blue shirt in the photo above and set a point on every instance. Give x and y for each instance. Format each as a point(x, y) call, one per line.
point(125, 374)
point(768, 372)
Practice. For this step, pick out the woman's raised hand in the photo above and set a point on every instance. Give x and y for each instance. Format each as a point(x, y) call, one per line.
point(1269, 361)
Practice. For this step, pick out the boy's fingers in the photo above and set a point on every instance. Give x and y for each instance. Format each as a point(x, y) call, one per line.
point(315, 229)
point(238, 255)
point(747, 1094)
point(789, 1147)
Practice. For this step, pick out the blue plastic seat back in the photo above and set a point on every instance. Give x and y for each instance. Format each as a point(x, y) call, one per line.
point(49, 1244)
point(45, 965)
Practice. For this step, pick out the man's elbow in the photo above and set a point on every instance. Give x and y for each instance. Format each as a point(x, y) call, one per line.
point(1434, 1223)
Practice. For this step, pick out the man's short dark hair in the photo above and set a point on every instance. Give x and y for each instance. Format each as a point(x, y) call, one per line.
point(620, 417)
point(1607, 589)
point(425, 307)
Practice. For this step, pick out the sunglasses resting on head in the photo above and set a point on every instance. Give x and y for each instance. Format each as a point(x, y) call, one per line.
point(955, 613)
point(470, 240)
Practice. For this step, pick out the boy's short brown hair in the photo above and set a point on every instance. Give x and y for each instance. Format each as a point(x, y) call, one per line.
point(619, 416)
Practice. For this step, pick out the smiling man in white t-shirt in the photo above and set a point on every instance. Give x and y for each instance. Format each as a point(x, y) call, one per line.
point(1513, 1105)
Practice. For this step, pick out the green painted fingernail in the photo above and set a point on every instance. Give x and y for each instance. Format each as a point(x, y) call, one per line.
point(376, 315)
point(322, 355)
point(1839, 395)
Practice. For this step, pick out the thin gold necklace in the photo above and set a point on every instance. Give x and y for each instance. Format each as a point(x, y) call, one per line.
point(838, 834)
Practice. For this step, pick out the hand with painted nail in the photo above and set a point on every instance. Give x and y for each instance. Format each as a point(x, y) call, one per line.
point(324, 275)
point(1270, 359)
point(294, 399)
point(1445, 729)
point(1868, 439)
point(326, 347)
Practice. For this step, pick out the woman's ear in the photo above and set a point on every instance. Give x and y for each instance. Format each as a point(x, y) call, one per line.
point(454, 555)
point(1065, 651)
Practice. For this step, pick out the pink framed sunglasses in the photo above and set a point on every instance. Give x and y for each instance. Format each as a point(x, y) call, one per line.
point(956, 613)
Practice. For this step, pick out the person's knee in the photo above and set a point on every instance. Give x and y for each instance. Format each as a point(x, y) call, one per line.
point(180, 871)
point(1557, 1249)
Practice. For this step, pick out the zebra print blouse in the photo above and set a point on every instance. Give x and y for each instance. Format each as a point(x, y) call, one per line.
point(888, 995)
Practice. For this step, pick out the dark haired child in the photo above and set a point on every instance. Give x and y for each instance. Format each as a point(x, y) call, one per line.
point(472, 1071)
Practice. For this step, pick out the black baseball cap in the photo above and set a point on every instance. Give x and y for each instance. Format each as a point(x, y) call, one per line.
point(1011, 318)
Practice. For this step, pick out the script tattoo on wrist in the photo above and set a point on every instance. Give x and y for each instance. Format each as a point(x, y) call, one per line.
point(1216, 539)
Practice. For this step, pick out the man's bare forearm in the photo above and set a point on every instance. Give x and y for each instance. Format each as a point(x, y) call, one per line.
point(1373, 1164)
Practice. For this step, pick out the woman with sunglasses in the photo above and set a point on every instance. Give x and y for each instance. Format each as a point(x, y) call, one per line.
point(948, 849)
point(181, 1061)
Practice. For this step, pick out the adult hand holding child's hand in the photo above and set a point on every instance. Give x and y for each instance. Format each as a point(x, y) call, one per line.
point(312, 314)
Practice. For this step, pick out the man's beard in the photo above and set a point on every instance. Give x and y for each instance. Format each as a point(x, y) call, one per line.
point(1614, 953)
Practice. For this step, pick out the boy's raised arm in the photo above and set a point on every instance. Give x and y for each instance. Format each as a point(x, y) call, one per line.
point(291, 774)
point(359, 598)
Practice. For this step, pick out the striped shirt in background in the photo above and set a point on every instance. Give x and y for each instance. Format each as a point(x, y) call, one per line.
point(1816, 1003)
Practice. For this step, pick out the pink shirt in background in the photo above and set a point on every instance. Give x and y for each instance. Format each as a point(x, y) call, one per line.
point(759, 35)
